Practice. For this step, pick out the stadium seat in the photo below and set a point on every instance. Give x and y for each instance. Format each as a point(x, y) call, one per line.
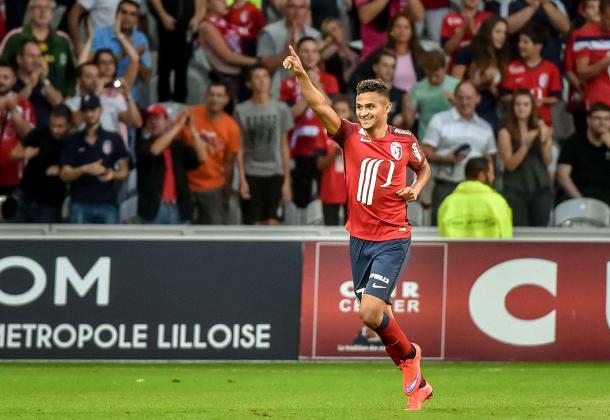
point(582, 212)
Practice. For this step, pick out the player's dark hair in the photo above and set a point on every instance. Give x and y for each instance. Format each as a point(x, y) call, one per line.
point(433, 60)
point(259, 66)
point(475, 166)
point(537, 33)
point(598, 106)
point(372, 85)
point(61, 111)
point(603, 5)
point(132, 2)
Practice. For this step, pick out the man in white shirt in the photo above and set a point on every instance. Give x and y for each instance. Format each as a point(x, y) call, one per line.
point(453, 137)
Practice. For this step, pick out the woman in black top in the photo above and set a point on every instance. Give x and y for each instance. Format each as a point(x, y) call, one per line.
point(525, 147)
point(484, 62)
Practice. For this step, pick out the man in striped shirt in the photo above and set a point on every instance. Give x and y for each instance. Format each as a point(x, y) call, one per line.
point(592, 49)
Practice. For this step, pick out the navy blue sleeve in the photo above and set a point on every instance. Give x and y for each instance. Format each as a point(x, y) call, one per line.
point(68, 156)
point(120, 151)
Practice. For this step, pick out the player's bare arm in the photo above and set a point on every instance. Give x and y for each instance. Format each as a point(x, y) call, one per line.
point(317, 101)
point(411, 192)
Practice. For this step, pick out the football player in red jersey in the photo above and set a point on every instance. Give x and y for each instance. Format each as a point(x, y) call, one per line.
point(376, 157)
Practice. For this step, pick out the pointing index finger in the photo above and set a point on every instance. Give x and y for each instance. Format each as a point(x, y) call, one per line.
point(292, 52)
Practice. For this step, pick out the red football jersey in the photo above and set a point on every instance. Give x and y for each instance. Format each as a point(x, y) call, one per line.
point(593, 41)
point(308, 134)
point(375, 169)
point(248, 17)
point(454, 21)
point(11, 170)
point(543, 81)
point(332, 185)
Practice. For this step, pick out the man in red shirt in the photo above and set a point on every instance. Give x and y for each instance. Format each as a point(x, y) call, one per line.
point(308, 134)
point(459, 28)
point(376, 160)
point(532, 72)
point(592, 48)
point(16, 120)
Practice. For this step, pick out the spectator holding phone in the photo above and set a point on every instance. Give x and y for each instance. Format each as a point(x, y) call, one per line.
point(452, 137)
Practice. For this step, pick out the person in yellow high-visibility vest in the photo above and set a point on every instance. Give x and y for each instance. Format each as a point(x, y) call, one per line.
point(474, 209)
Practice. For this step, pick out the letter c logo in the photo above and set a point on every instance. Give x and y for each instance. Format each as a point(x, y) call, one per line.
point(488, 308)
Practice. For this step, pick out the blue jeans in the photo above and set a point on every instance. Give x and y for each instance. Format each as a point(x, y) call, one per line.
point(93, 214)
point(168, 214)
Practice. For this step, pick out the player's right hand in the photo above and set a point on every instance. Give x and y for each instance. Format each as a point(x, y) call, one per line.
point(293, 63)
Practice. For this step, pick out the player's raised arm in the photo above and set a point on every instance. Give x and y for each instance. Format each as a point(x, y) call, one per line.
point(316, 99)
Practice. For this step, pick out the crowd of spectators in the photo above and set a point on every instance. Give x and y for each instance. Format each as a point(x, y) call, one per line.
point(519, 87)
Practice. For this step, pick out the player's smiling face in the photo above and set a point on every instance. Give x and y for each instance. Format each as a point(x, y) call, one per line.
point(372, 109)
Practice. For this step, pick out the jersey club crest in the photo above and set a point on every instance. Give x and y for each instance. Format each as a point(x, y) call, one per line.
point(396, 150)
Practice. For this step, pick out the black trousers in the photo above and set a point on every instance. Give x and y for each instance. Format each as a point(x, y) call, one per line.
point(530, 209)
point(331, 213)
point(441, 190)
point(174, 56)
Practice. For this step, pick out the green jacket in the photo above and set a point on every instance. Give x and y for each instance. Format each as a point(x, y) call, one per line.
point(56, 50)
point(475, 210)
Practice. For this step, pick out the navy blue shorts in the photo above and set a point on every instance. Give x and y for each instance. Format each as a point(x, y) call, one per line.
point(377, 266)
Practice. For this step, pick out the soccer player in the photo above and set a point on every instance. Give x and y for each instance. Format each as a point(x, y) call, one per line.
point(376, 158)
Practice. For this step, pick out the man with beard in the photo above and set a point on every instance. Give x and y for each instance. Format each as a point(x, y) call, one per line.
point(91, 161)
point(474, 209)
point(583, 169)
point(43, 192)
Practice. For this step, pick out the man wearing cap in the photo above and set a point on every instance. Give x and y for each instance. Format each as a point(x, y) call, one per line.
point(163, 162)
point(92, 160)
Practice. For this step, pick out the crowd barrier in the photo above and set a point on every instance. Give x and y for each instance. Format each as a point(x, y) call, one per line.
point(221, 293)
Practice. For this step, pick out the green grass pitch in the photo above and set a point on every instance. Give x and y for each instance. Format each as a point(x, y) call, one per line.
point(301, 391)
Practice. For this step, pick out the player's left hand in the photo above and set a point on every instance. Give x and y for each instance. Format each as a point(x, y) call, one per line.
point(408, 194)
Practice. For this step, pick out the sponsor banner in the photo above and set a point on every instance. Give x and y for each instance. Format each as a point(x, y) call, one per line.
point(475, 301)
point(64, 299)
point(528, 301)
point(330, 326)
